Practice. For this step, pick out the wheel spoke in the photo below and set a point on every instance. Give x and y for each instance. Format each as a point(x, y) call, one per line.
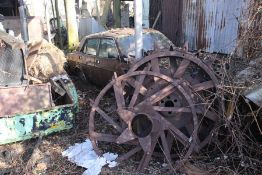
point(125, 115)
point(146, 143)
point(172, 109)
point(144, 161)
point(134, 83)
point(129, 153)
point(138, 87)
point(119, 94)
point(179, 135)
point(204, 142)
point(103, 137)
point(174, 131)
point(160, 94)
point(208, 113)
point(166, 148)
point(212, 115)
point(155, 68)
point(198, 144)
point(182, 68)
point(170, 140)
point(155, 65)
point(109, 119)
point(126, 136)
point(147, 156)
point(203, 86)
point(190, 128)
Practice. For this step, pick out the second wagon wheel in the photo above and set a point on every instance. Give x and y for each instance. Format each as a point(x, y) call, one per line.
point(198, 79)
point(129, 124)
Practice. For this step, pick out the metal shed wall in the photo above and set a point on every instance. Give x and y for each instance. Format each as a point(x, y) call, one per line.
point(210, 25)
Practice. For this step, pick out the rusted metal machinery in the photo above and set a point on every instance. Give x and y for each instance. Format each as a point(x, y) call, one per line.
point(166, 104)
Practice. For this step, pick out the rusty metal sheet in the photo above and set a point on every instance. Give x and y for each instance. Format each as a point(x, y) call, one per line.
point(23, 99)
point(41, 122)
point(35, 26)
point(212, 26)
point(11, 41)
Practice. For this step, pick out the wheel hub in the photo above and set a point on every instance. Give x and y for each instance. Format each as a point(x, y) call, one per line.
point(141, 125)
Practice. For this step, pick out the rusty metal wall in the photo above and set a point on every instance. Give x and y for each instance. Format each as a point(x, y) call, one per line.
point(154, 8)
point(210, 25)
point(172, 27)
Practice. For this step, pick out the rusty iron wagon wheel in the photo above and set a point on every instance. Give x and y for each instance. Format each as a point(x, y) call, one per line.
point(197, 78)
point(133, 121)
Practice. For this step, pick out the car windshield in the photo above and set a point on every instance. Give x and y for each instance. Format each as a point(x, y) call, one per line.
point(151, 41)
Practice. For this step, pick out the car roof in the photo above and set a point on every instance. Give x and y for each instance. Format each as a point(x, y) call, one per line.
point(119, 33)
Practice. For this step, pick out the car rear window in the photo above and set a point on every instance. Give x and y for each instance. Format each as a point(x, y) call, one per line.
point(151, 41)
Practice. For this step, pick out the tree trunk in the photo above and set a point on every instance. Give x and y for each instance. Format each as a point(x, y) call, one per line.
point(72, 30)
point(106, 9)
point(117, 13)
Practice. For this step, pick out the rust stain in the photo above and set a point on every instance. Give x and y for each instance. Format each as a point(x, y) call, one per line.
point(172, 20)
point(208, 25)
point(201, 40)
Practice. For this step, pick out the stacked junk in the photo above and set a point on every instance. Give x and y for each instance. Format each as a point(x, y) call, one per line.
point(167, 105)
point(37, 96)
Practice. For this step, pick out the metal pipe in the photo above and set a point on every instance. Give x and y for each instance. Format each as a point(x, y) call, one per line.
point(23, 20)
point(53, 10)
point(47, 18)
point(138, 28)
point(60, 42)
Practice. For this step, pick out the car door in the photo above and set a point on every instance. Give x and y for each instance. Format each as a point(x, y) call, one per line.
point(107, 61)
point(88, 56)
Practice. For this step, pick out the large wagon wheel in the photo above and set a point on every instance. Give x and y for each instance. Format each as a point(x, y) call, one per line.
point(198, 79)
point(135, 123)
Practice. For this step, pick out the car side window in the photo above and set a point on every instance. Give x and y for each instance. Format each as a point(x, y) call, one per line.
point(90, 47)
point(108, 49)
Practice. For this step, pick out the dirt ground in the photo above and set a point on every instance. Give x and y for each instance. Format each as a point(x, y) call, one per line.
point(44, 155)
point(233, 153)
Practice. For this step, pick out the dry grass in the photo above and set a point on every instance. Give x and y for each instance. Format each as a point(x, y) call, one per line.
point(251, 36)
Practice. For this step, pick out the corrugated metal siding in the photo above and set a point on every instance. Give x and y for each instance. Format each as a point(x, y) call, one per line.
point(210, 25)
point(155, 7)
point(173, 9)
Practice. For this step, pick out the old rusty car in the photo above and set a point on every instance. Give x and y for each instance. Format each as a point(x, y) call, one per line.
point(101, 54)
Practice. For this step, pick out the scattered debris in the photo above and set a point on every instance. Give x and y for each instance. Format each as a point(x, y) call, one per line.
point(83, 155)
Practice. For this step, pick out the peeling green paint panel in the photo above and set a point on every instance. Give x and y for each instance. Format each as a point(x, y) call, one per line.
point(40, 123)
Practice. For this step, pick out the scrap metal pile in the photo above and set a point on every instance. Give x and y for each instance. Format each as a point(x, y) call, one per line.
point(167, 105)
point(47, 94)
